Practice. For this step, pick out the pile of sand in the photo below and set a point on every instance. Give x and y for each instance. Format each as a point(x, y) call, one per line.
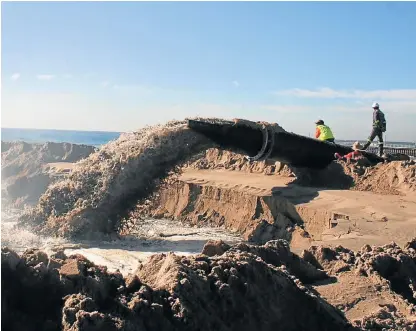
point(237, 290)
point(102, 187)
point(396, 177)
point(23, 172)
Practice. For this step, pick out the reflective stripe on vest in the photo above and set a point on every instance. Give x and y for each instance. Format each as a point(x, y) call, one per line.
point(326, 132)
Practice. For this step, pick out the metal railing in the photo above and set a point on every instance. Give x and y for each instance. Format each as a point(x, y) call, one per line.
point(394, 150)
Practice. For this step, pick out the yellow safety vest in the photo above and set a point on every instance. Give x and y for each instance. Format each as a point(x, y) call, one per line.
point(326, 132)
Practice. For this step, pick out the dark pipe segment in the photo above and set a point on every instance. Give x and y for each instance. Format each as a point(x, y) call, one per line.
point(297, 150)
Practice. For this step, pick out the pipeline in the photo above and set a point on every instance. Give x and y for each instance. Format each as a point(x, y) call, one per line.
point(260, 141)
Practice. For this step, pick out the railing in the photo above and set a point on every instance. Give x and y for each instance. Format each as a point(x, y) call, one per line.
point(394, 150)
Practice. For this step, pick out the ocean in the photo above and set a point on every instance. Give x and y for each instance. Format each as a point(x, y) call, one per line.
point(92, 138)
point(98, 138)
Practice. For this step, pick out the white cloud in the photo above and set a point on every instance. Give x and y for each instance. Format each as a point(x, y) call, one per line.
point(45, 77)
point(105, 83)
point(328, 93)
point(236, 83)
point(15, 76)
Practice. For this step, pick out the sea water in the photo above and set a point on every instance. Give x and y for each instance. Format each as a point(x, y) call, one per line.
point(92, 138)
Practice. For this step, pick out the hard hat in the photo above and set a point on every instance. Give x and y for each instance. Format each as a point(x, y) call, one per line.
point(375, 105)
point(319, 122)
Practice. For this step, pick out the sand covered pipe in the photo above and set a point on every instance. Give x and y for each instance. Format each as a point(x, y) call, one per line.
point(269, 141)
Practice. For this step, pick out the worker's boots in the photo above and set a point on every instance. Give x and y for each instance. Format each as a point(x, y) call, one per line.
point(381, 149)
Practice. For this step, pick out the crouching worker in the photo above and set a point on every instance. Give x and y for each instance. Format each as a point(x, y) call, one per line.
point(356, 156)
point(323, 132)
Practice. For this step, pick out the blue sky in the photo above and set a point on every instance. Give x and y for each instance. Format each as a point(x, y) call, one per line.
point(120, 66)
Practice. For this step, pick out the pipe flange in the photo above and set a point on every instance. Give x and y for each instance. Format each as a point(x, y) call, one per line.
point(260, 154)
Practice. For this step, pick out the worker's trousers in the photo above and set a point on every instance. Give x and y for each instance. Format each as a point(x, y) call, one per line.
point(376, 132)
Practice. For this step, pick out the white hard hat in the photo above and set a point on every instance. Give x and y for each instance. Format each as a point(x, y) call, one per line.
point(375, 105)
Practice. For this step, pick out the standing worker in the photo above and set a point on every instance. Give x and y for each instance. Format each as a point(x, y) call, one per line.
point(379, 126)
point(323, 132)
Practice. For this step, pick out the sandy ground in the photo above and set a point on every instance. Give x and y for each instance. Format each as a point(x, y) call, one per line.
point(358, 218)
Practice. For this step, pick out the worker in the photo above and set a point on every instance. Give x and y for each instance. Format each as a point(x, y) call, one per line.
point(379, 126)
point(354, 155)
point(323, 132)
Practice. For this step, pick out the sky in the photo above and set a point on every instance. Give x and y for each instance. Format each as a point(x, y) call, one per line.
point(118, 66)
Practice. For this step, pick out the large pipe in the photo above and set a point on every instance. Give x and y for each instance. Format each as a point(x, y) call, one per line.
point(249, 138)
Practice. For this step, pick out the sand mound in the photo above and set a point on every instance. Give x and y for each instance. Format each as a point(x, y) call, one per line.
point(23, 172)
point(274, 252)
point(235, 291)
point(396, 177)
point(103, 186)
point(389, 178)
